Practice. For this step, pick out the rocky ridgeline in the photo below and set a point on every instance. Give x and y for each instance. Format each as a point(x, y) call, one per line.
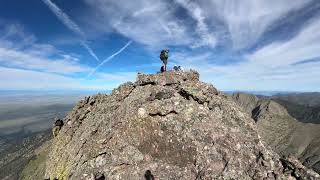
point(283, 133)
point(164, 126)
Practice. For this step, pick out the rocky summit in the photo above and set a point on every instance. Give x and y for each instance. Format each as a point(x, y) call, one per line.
point(164, 126)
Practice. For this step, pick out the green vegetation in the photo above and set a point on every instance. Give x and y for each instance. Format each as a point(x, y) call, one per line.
point(35, 169)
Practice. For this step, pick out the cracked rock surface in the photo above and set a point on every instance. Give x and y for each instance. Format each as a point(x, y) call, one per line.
point(168, 126)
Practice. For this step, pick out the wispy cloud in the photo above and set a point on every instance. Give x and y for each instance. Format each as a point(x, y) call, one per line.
point(152, 23)
point(156, 23)
point(17, 52)
point(253, 76)
point(66, 20)
point(247, 20)
point(234, 44)
point(109, 58)
point(25, 60)
point(302, 47)
point(117, 76)
point(20, 79)
point(13, 31)
point(207, 38)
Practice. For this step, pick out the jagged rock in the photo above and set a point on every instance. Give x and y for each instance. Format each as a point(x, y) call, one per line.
point(164, 126)
point(293, 166)
point(247, 101)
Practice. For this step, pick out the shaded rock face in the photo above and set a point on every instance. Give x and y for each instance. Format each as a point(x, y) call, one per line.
point(281, 131)
point(163, 126)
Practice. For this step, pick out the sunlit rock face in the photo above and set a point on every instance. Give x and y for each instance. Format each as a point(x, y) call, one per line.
point(166, 126)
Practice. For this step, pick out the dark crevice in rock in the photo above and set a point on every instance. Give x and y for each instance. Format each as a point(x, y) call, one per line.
point(148, 175)
point(165, 114)
point(290, 168)
point(99, 176)
point(124, 164)
point(147, 83)
point(226, 164)
point(255, 113)
point(78, 162)
point(106, 141)
point(100, 154)
point(259, 157)
point(187, 96)
point(160, 96)
point(92, 102)
point(129, 93)
point(83, 116)
point(199, 171)
point(200, 174)
point(184, 94)
point(171, 84)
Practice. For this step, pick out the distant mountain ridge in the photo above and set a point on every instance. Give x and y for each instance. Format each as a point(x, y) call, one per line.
point(303, 113)
point(311, 99)
point(285, 134)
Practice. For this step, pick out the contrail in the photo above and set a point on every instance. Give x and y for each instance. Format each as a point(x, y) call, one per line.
point(90, 51)
point(64, 18)
point(109, 58)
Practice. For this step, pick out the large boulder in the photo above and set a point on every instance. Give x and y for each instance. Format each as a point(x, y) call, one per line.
point(166, 126)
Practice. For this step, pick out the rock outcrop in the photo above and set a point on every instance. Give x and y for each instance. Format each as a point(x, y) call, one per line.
point(281, 131)
point(163, 126)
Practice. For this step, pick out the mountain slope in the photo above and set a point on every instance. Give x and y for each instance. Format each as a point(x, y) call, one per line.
point(281, 131)
point(166, 126)
point(15, 153)
point(311, 99)
point(303, 113)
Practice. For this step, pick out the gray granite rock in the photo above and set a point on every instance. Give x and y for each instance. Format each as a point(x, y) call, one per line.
point(165, 126)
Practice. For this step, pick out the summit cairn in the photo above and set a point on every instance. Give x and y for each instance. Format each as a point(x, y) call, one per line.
point(163, 126)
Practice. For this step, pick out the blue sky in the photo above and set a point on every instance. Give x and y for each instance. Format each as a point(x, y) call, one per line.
point(255, 45)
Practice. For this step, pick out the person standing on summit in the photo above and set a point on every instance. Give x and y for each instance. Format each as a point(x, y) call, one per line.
point(164, 57)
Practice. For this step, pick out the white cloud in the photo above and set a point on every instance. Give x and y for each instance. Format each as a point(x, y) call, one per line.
point(156, 23)
point(65, 19)
point(304, 46)
point(18, 79)
point(247, 20)
point(248, 75)
point(207, 38)
point(36, 66)
point(119, 76)
point(149, 22)
point(160, 23)
point(16, 51)
point(25, 79)
point(25, 60)
point(188, 59)
point(15, 32)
